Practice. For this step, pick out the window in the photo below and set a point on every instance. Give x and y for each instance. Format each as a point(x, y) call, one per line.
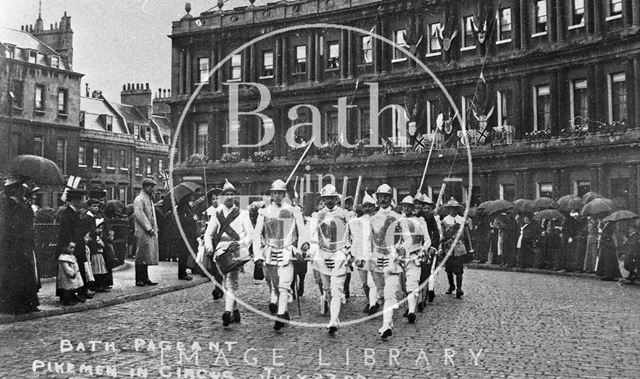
point(433, 48)
point(620, 189)
point(504, 106)
point(202, 130)
point(203, 69)
point(508, 192)
point(81, 118)
point(55, 61)
point(433, 109)
point(38, 146)
point(147, 134)
point(364, 131)
point(617, 97)
point(110, 163)
point(466, 104)
point(17, 93)
point(62, 101)
point(10, 52)
point(137, 166)
point(61, 154)
point(579, 100)
point(96, 157)
point(236, 67)
point(542, 108)
point(149, 167)
point(160, 165)
point(108, 122)
point(540, 17)
point(136, 131)
point(545, 190)
point(301, 59)
point(367, 50)
point(333, 61)
point(267, 64)
point(504, 21)
point(124, 160)
point(398, 39)
point(615, 8)
point(122, 195)
point(582, 187)
point(467, 36)
point(33, 56)
point(82, 155)
point(332, 126)
point(39, 99)
point(577, 13)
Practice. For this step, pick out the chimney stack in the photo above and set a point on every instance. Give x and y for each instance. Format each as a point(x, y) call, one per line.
point(140, 97)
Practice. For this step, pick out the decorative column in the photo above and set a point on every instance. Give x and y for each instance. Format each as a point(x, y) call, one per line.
point(377, 53)
point(557, 183)
point(344, 52)
point(588, 16)
point(560, 20)
point(310, 51)
point(285, 62)
point(635, 13)
point(351, 57)
point(515, 24)
point(565, 185)
point(524, 24)
point(602, 184)
point(317, 58)
point(527, 184)
point(636, 88)
point(552, 31)
point(189, 76)
point(252, 63)
point(220, 71)
point(181, 74)
point(276, 63)
point(597, 17)
point(593, 171)
point(213, 58)
point(553, 87)
point(519, 186)
point(633, 186)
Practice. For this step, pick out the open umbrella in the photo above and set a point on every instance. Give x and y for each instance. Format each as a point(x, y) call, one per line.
point(544, 203)
point(622, 215)
point(597, 206)
point(548, 214)
point(482, 208)
point(523, 205)
point(184, 189)
point(39, 169)
point(498, 206)
point(569, 203)
point(589, 197)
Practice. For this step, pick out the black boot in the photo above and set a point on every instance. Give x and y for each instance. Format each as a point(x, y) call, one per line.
point(347, 281)
point(273, 308)
point(301, 285)
point(430, 296)
point(235, 316)
point(226, 318)
point(145, 271)
point(452, 286)
point(459, 292)
point(140, 276)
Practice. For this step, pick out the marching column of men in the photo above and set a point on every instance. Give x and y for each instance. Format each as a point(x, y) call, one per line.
point(394, 254)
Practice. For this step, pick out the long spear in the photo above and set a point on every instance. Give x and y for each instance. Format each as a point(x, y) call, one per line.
point(439, 123)
point(300, 160)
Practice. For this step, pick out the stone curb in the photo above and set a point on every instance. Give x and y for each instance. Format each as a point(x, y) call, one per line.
point(96, 304)
point(481, 266)
point(123, 267)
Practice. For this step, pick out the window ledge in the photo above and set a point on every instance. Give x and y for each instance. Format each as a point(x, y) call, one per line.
point(233, 80)
point(266, 77)
point(82, 166)
point(98, 167)
point(332, 69)
point(366, 64)
point(124, 169)
point(503, 41)
point(432, 54)
point(577, 26)
point(468, 48)
point(63, 115)
point(299, 73)
point(111, 168)
point(534, 35)
point(396, 60)
point(614, 17)
point(39, 112)
point(140, 175)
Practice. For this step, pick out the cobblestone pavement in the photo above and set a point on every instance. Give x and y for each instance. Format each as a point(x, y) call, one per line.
point(508, 324)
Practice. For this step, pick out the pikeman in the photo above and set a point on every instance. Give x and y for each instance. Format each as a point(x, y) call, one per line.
point(425, 207)
point(454, 264)
point(279, 233)
point(387, 252)
point(229, 232)
point(330, 255)
point(358, 236)
point(416, 243)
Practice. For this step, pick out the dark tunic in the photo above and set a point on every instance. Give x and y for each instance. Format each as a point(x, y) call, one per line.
point(19, 282)
point(607, 259)
point(72, 228)
point(434, 235)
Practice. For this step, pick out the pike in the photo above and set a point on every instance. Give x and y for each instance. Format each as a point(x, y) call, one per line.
point(356, 198)
point(439, 122)
point(300, 160)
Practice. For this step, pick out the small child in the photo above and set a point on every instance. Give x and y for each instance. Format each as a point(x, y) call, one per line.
point(98, 265)
point(69, 280)
point(109, 257)
point(88, 268)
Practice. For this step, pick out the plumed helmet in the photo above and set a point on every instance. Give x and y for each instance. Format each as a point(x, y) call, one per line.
point(367, 199)
point(407, 200)
point(328, 191)
point(228, 188)
point(278, 185)
point(453, 203)
point(384, 188)
point(422, 198)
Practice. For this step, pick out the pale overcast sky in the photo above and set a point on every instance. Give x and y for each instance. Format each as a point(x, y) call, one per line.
point(114, 41)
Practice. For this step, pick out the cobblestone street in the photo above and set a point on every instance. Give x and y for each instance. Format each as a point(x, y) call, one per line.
point(507, 325)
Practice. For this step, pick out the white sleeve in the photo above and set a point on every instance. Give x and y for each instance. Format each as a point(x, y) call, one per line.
point(212, 228)
point(257, 238)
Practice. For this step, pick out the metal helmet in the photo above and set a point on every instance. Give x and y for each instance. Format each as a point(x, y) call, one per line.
point(228, 187)
point(328, 191)
point(367, 199)
point(384, 188)
point(407, 200)
point(422, 198)
point(278, 185)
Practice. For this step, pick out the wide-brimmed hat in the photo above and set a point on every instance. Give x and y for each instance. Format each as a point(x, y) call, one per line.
point(424, 199)
point(75, 193)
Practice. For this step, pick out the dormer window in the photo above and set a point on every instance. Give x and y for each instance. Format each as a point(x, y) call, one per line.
point(108, 122)
point(147, 134)
point(33, 55)
point(10, 52)
point(55, 61)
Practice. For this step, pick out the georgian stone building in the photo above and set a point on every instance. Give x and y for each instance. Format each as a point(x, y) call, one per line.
point(549, 92)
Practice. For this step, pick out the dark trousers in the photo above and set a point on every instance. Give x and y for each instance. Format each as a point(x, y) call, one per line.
point(142, 273)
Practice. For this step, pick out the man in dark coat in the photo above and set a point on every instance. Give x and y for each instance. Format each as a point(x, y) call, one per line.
point(425, 210)
point(631, 251)
point(73, 228)
point(18, 274)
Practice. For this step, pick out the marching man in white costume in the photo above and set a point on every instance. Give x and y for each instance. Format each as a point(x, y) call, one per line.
point(359, 237)
point(229, 231)
point(330, 255)
point(279, 233)
point(416, 243)
point(387, 252)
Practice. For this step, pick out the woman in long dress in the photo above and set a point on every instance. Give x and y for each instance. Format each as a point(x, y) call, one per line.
point(607, 258)
point(592, 245)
